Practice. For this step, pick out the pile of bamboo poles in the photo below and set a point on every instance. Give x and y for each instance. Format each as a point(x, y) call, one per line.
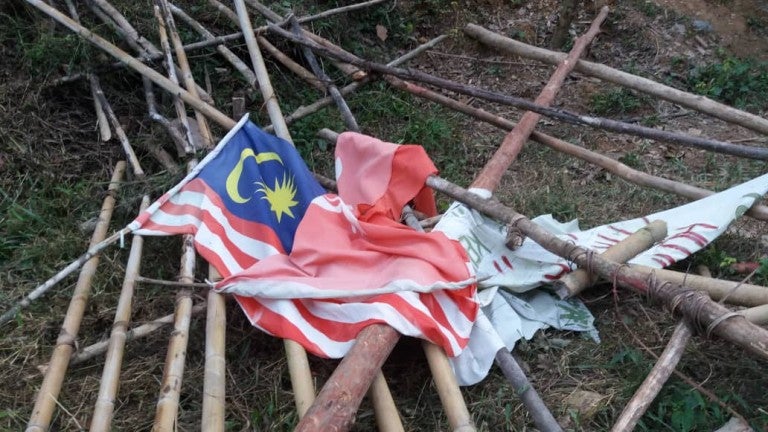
point(360, 372)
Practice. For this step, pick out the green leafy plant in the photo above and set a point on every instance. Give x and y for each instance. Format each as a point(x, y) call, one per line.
point(739, 82)
point(616, 101)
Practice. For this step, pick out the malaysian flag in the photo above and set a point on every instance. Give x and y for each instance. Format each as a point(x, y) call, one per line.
point(319, 268)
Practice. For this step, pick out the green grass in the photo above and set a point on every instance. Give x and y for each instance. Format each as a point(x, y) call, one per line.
point(742, 83)
point(615, 102)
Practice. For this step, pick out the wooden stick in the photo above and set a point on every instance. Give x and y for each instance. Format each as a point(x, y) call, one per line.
point(288, 62)
point(623, 251)
point(605, 73)
point(341, 104)
point(738, 293)
point(270, 98)
point(181, 111)
point(136, 65)
point(144, 330)
point(214, 379)
point(227, 12)
point(45, 403)
point(448, 389)
point(757, 315)
point(562, 115)
point(129, 153)
point(523, 388)
point(338, 10)
point(151, 281)
point(613, 166)
point(387, 417)
point(186, 71)
point(225, 52)
point(655, 380)
point(492, 172)
point(110, 377)
point(692, 304)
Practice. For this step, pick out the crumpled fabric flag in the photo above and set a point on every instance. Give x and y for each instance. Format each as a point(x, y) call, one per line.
point(511, 307)
point(353, 263)
point(318, 268)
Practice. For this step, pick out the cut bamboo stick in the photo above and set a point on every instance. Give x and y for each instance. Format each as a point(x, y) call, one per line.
point(387, 417)
point(688, 100)
point(641, 240)
point(135, 64)
point(491, 174)
point(110, 377)
point(448, 389)
point(613, 166)
point(181, 111)
point(176, 135)
point(186, 71)
point(99, 348)
point(225, 52)
point(129, 153)
point(557, 114)
point(227, 12)
point(47, 396)
point(757, 315)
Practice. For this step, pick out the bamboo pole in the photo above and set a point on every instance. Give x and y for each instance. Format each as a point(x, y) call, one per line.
point(225, 52)
point(692, 304)
point(179, 140)
point(135, 64)
point(144, 330)
point(175, 360)
point(605, 73)
point(189, 144)
point(757, 315)
point(214, 379)
point(641, 240)
point(47, 396)
point(448, 389)
point(513, 142)
point(129, 153)
point(387, 416)
point(557, 114)
point(611, 165)
point(110, 377)
point(186, 71)
point(267, 92)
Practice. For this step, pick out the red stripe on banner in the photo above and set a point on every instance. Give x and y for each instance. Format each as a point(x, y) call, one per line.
point(696, 225)
point(692, 236)
point(621, 230)
point(438, 314)
point(506, 262)
point(340, 331)
point(276, 324)
point(668, 258)
point(608, 239)
point(214, 259)
point(676, 247)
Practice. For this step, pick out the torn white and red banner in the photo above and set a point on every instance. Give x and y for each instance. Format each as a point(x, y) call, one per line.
point(512, 309)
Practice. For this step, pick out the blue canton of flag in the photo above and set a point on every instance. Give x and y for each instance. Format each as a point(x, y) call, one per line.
point(243, 202)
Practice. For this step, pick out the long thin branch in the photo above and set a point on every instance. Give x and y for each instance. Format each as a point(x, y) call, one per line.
point(564, 116)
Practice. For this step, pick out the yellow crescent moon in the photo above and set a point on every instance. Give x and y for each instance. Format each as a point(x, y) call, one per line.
point(234, 176)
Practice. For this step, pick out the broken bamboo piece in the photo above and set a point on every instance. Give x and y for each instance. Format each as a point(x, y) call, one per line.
point(291, 65)
point(122, 137)
point(606, 73)
point(694, 305)
point(557, 114)
point(214, 378)
point(47, 396)
point(613, 166)
point(491, 174)
point(641, 240)
point(186, 71)
point(110, 377)
point(179, 140)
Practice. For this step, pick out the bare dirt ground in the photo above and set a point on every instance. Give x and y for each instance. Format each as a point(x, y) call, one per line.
point(53, 171)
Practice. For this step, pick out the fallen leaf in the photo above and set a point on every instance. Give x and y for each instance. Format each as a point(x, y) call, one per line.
point(381, 32)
